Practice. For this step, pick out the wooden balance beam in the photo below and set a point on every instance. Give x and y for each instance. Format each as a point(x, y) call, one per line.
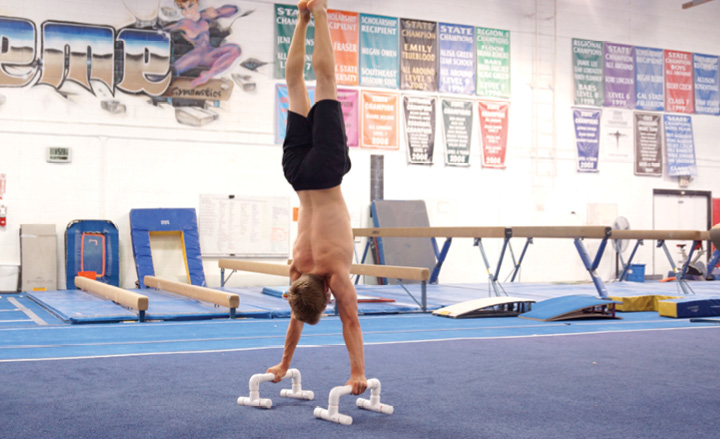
point(395, 272)
point(126, 298)
point(571, 232)
point(216, 297)
point(432, 232)
point(661, 236)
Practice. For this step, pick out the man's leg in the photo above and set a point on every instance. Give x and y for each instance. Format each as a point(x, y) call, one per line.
point(323, 54)
point(295, 65)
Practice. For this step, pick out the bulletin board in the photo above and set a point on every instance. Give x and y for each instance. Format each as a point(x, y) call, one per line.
point(234, 225)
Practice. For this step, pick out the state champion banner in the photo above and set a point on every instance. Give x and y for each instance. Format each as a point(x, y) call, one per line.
point(285, 21)
point(494, 132)
point(457, 131)
point(457, 59)
point(282, 105)
point(344, 33)
point(648, 144)
point(619, 75)
point(707, 84)
point(649, 79)
point(379, 51)
point(418, 55)
point(493, 62)
point(379, 120)
point(588, 72)
point(351, 114)
point(587, 138)
point(419, 120)
point(679, 146)
point(679, 96)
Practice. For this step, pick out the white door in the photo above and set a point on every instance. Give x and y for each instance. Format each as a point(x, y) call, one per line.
point(676, 212)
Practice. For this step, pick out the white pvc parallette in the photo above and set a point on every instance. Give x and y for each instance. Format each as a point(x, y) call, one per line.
point(332, 414)
point(254, 399)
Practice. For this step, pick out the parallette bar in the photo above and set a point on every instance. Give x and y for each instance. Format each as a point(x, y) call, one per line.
point(216, 297)
point(432, 232)
point(571, 232)
point(391, 271)
point(667, 235)
point(118, 295)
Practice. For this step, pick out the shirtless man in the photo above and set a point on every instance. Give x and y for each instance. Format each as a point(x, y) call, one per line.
point(315, 159)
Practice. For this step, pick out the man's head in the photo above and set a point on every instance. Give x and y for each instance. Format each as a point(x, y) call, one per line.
point(307, 298)
point(189, 8)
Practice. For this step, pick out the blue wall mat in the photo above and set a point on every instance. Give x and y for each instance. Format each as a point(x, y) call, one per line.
point(92, 245)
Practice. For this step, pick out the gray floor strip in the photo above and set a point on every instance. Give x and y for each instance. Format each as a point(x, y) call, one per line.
point(27, 312)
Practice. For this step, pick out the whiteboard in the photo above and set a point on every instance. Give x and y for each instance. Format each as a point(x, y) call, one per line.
point(235, 225)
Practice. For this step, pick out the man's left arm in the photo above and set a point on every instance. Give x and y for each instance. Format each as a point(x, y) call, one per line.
point(346, 299)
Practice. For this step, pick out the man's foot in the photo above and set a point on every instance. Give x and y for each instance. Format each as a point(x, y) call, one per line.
point(303, 8)
point(317, 5)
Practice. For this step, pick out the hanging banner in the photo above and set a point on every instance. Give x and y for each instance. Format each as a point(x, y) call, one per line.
point(679, 146)
point(344, 33)
point(679, 96)
point(588, 72)
point(285, 20)
point(419, 128)
point(494, 132)
point(282, 104)
point(619, 75)
point(418, 55)
point(587, 138)
point(616, 142)
point(349, 102)
point(457, 64)
point(707, 84)
point(493, 63)
point(649, 83)
point(648, 145)
point(379, 51)
point(457, 131)
point(379, 120)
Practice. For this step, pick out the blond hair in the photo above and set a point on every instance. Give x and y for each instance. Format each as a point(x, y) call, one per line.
point(307, 298)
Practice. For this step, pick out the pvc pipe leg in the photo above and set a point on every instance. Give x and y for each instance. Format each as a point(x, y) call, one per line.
point(254, 399)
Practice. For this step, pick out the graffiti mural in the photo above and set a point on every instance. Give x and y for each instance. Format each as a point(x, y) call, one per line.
point(175, 53)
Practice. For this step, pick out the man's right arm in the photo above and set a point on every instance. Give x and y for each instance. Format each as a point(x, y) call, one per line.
point(291, 340)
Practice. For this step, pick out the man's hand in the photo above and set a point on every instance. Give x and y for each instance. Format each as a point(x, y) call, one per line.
point(358, 383)
point(279, 371)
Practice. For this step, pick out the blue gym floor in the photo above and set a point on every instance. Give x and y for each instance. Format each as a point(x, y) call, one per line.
point(640, 376)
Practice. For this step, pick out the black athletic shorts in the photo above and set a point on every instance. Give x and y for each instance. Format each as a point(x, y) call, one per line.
point(315, 152)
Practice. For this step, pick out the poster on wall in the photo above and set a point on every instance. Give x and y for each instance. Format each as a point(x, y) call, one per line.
point(379, 51)
point(587, 138)
point(679, 96)
point(419, 121)
point(136, 64)
point(707, 84)
point(457, 59)
point(588, 72)
point(494, 132)
point(285, 21)
point(619, 75)
point(493, 63)
point(616, 141)
point(457, 131)
point(648, 144)
point(351, 115)
point(679, 146)
point(418, 55)
point(344, 33)
point(649, 81)
point(379, 120)
point(282, 105)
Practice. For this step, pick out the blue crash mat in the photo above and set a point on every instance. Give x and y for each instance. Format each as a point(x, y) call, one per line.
point(76, 306)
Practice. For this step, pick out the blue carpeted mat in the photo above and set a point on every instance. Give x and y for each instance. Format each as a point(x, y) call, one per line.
point(77, 306)
point(583, 386)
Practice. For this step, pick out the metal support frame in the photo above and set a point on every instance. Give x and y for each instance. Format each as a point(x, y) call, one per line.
point(591, 266)
point(632, 255)
point(679, 274)
point(516, 269)
point(714, 261)
point(493, 277)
